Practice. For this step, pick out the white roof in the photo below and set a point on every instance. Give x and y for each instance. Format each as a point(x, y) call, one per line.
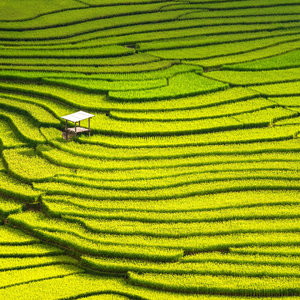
point(78, 116)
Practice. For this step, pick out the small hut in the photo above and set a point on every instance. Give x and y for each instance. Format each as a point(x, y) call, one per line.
point(76, 118)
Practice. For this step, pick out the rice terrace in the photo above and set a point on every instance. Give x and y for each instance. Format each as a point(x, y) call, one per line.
point(150, 149)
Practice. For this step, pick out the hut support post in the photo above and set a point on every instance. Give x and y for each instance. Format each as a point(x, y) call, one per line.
point(66, 130)
point(75, 133)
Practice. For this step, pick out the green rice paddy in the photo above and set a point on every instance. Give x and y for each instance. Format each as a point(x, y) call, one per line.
point(188, 187)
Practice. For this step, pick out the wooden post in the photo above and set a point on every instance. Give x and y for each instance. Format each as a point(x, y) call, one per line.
point(89, 127)
point(66, 130)
point(75, 133)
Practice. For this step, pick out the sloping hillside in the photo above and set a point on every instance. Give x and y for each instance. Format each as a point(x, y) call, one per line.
point(188, 187)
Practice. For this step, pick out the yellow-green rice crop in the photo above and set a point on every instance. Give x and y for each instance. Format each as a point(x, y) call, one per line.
point(195, 203)
point(217, 138)
point(237, 256)
point(287, 101)
point(225, 48)
point(217, 111)
point(186, 84)
point(143, 247)
point(36, 112)
point(129, 60)
point(203, 267)
point(285, 60)
point(202, 188)
point(9, 236)
point(8, 137)
point(67, 96)
point(63, 158)
point(164, 73)
point(8, 206)
point(93, 52)
point(25, 164)
point(188, 187)
point(23, 126)
point(224, 285)
point(11, 263)
point(74, 16)
point(245, 4)
point(177, 181)
point(134, 68)
point(9, 278)
point(19, 10)
point(268, 250)
point(97, 151)
point(256, 77)
point(192, 39)
point(248, 56)
point(28, 250)
point(279, 89)
point(105, 85)
point(76, 285)
point(261, 212)
point(16, 189)
point(179, 229)
point(246, 11)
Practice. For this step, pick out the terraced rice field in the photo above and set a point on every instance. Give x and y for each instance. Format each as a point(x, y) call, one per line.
point(188, 187)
